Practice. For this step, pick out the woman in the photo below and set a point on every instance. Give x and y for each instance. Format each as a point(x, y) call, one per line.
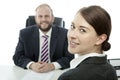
point(88, 37)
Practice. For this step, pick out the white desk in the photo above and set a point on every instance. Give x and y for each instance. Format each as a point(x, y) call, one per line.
point(16, 73)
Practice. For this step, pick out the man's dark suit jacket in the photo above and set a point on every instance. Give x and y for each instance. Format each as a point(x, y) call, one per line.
point(92, 68)
point(28, 47)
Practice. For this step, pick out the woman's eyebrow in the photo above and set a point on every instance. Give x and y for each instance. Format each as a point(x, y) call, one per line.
point(84, 27)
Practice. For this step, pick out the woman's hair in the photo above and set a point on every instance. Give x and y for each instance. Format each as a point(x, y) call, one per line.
point(100, 20)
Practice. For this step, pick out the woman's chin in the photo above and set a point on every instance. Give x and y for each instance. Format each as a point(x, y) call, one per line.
point(72, 51)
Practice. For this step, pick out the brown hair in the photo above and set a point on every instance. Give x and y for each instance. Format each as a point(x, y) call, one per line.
point(100, 20)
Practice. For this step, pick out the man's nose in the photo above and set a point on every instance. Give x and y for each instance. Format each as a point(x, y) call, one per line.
point(43, 18)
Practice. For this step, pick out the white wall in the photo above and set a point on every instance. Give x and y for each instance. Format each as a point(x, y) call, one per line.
point(13, 14)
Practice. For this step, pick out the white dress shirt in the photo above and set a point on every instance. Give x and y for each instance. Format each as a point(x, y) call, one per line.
point(42, 40)
point(56, 64)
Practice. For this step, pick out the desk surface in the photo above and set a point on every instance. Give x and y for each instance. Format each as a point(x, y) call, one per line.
point(17, 73)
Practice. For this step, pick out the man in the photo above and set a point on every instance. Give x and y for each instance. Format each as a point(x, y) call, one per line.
point(28, 54)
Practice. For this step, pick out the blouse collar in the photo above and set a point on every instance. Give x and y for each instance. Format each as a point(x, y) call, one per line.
point(80, 58)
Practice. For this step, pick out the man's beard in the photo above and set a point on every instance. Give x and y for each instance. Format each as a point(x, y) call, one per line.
point(45, 30)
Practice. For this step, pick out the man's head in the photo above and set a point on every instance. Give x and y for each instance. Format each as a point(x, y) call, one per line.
point(44, 17)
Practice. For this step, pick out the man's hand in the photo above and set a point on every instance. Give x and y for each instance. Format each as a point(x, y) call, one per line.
point(42, 67)
point(35, 66)
point(46, 67)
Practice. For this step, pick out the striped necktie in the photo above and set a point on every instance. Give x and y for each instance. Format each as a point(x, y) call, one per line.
point(44, 49)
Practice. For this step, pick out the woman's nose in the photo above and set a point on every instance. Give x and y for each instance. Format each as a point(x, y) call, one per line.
point(72, 34)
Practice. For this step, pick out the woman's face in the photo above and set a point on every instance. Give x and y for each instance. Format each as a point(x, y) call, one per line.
point(82, 38)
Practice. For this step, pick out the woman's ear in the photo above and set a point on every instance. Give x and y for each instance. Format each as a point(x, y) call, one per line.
point(101, 39)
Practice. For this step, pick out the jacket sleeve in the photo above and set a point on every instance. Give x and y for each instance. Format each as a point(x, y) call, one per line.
point(19, 57)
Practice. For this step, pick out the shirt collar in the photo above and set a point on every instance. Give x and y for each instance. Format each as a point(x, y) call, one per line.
point(80, 58)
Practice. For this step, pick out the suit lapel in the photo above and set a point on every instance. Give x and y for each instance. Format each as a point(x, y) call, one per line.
point(35, 41)
point(53, 41)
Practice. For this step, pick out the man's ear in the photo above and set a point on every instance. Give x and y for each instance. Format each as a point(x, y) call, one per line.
point(35, 19)
point(53, 18)
point(101, 39)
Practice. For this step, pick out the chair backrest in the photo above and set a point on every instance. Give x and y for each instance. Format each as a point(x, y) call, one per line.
point(58, 21)
point(116, 64)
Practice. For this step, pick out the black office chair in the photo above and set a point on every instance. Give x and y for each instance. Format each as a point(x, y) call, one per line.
point(116, 64)
point(58, 21)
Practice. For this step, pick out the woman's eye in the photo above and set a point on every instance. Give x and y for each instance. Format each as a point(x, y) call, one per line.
point(82, 30)
point(72, 26)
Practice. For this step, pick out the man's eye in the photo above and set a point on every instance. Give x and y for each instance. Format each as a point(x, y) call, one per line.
point(40, 16)
point(47, 16)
